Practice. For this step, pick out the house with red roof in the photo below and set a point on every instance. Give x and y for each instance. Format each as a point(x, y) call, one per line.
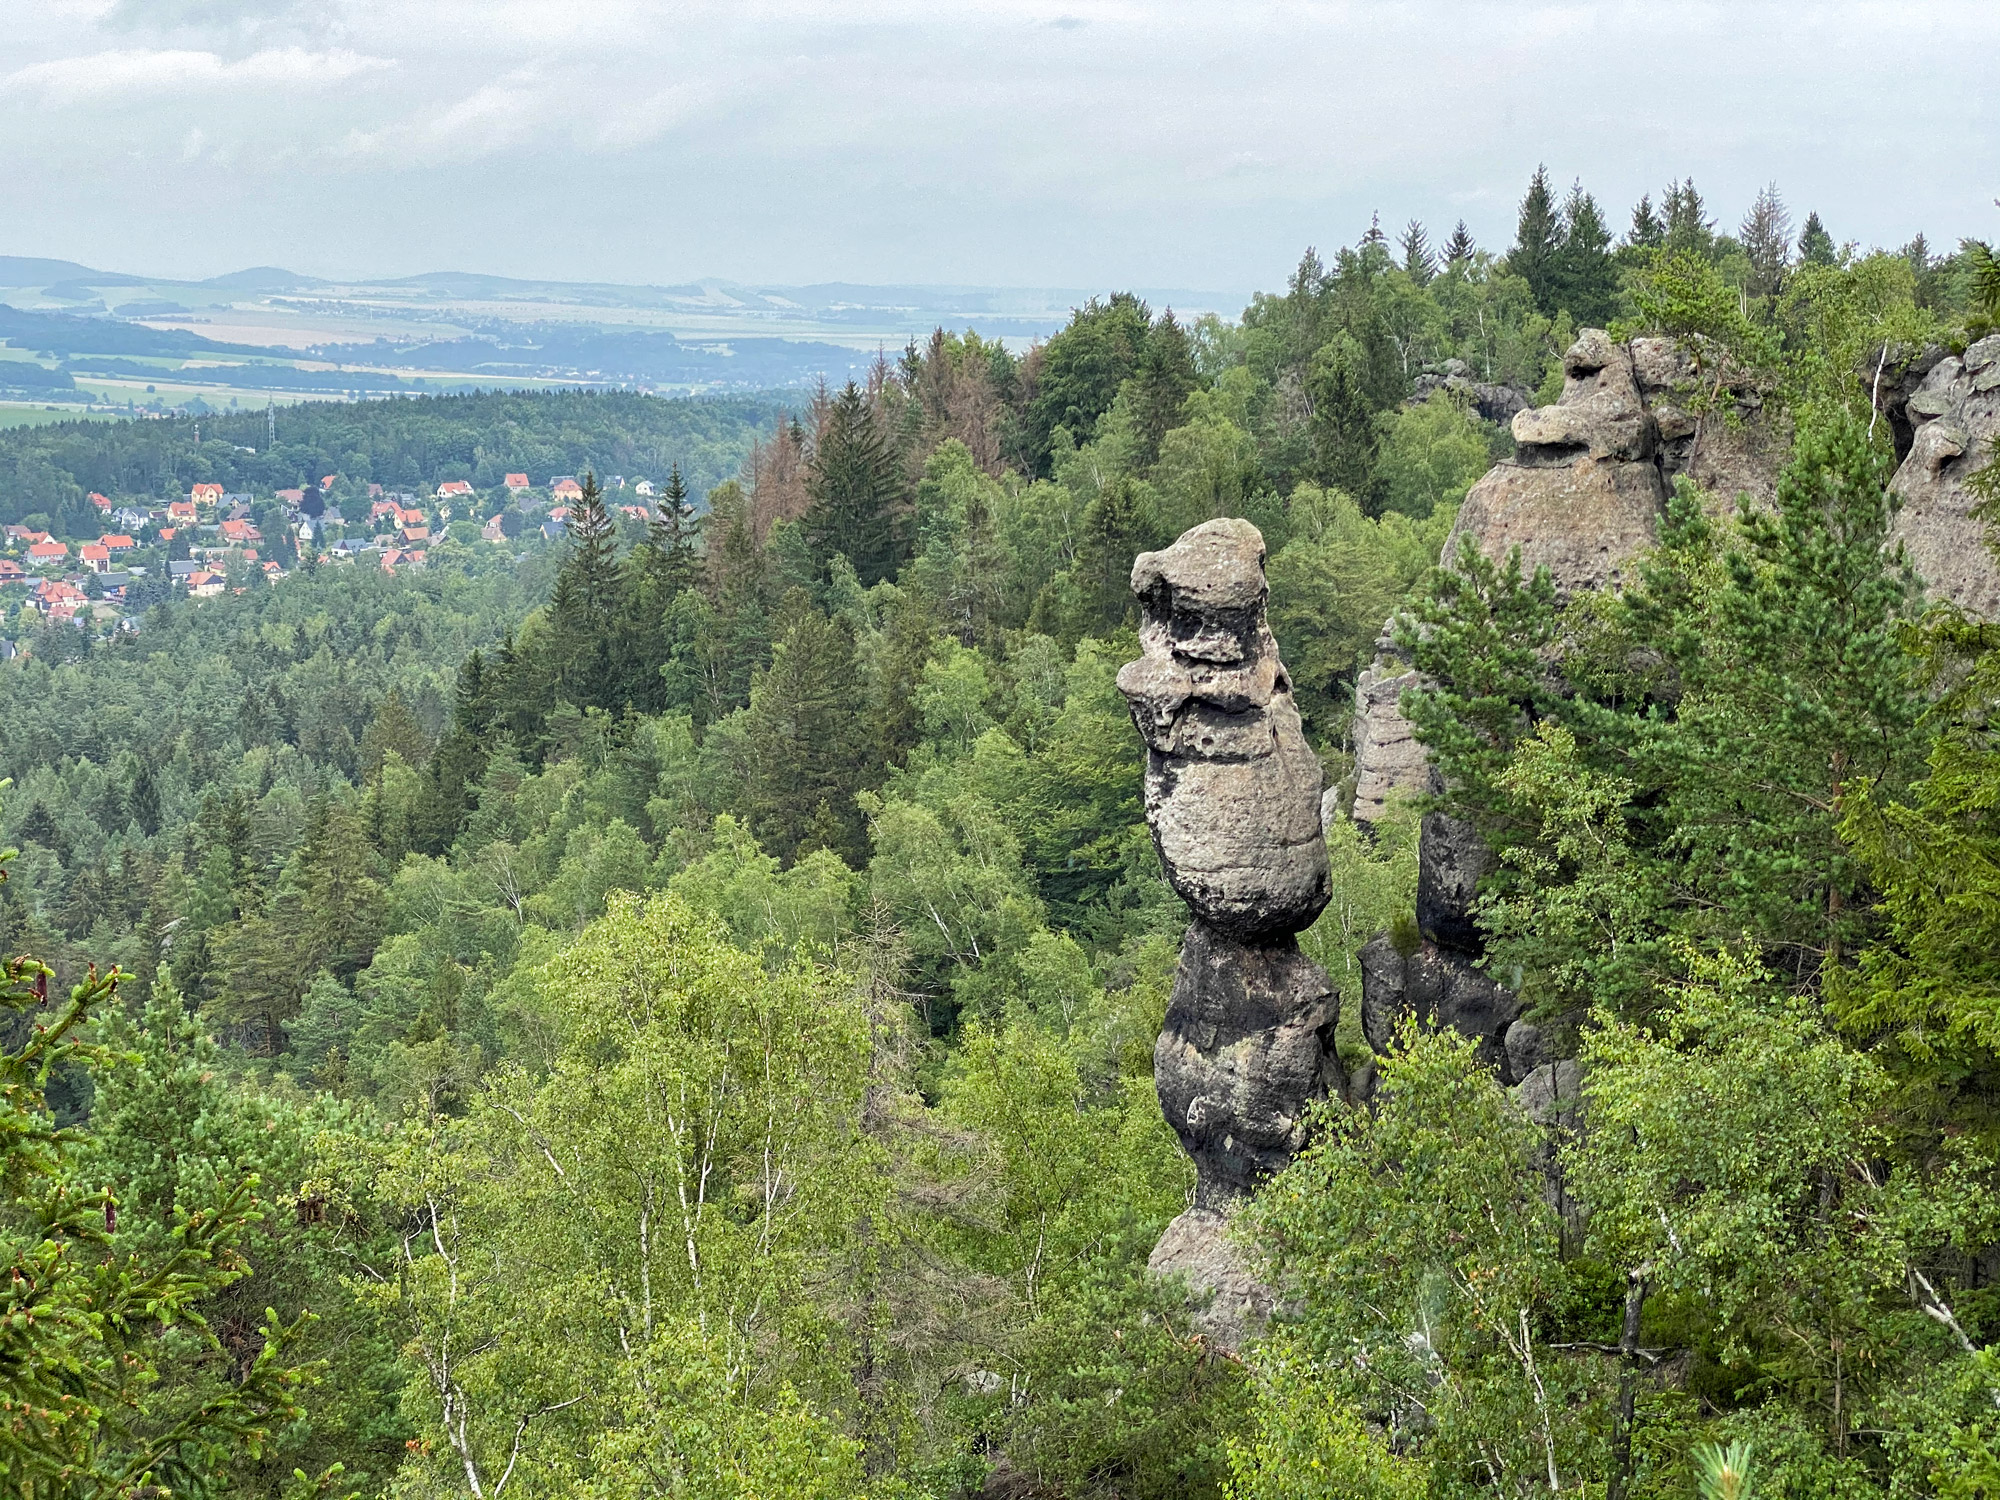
point(517, 483)
point(292, 497)
point(409, 518)
point(168, 533)
point(53, 593)
point(117, 541)
point(97, 557)
point(10, 570)
point(26, 534)
point(416, 533)
point(44, 553)
point(566, 488)
point(384, 508)
point(326, 482)
point(453, 487)
point(205, 585)
point(238, 532)
point(180, 510)
point(102, 502)
point(206, 494)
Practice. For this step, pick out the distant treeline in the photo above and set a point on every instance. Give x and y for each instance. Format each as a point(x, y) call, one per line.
point(405, 444)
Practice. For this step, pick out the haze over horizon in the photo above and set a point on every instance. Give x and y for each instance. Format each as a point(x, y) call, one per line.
point(1078, 143)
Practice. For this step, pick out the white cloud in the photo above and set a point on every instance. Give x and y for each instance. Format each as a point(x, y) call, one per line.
point(1160, 141)
point(131, 74)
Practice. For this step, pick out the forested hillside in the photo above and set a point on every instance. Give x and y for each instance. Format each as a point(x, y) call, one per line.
point(408, 445)
point(674, 1015)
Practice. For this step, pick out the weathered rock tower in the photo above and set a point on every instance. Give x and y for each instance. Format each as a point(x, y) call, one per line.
point(1233, 798)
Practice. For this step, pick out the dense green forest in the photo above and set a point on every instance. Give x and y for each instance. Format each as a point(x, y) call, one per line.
point(674, 1017)
point(408, 445)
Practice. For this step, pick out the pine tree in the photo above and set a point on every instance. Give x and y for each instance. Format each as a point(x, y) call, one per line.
point(1816, 247)
point(1459, 249)
point(1584, 279)
point(1647, 231)
point(1766, 236)
point(808, 745)
point(1161, 385)
point(1418, 261)
point(1537, 235)
point(855, 483)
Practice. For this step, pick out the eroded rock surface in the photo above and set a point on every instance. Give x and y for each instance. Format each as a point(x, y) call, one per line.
point(1953, 417)
point(1247, 1033)
point(1231, 1305)
point(1232, 787)
point(1582, 493)
point(1233, 800)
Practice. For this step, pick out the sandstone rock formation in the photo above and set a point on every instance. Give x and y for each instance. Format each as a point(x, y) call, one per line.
point(1583, 493)
point(1953, 417)
point(1232, 787)
point(1233, 800)
point(1494, 403)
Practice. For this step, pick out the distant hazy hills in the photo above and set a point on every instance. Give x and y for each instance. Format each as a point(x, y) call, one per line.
point(268, 329)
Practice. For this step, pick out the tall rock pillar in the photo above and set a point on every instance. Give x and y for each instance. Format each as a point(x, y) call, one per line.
point(1233, 800)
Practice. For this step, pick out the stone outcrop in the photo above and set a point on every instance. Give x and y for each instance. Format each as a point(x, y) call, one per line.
point(1583, 492)
point(1582, 495)
point(1232, 787)
point(1494, 403)
point(1953, 417)
point(1388, 757)
point(1233, 800)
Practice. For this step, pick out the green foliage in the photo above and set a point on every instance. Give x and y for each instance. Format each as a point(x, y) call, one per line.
point(1687, 774)
point(1310, 1445)
point(89, 1317)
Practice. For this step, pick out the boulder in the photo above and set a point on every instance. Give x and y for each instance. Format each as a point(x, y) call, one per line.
point(1954, 419)
point(1231, 1305)
point(1232, 787)
point(1247, 1032)
point(1451, 860)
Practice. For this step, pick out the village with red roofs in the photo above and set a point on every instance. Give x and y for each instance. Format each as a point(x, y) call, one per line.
point(213, 542)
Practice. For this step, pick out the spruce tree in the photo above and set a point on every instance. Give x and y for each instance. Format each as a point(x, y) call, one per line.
point(1647, 231)
point(588, 606)
point(1161, 385)
point(855, 484)
point(809, 749)
point(1688, 227)
point(1766, 237)
point(1344, 434)
point(1584, 280)
point(1537, 235)
point(1418, 262)
point(1816, 247)
point(1459, 249)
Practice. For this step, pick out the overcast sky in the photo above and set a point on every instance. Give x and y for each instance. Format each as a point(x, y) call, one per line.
point(1160, 143)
